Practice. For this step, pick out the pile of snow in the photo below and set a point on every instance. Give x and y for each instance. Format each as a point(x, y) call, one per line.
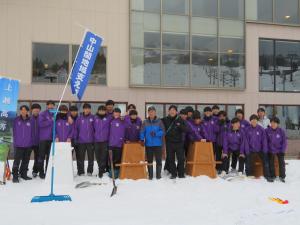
point(188, 201)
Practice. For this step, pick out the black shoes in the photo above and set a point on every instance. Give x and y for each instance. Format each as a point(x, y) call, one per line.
point(25, 177)
point(42, 175)
point(282, 179)
point(15, 179)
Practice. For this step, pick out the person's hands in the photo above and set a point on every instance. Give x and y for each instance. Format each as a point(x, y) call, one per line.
point(142, 143)
point(70, 120)
point(69, 140)
point(203, 140)
point(56, 140)
point(224, 155)
point(127, 142)
point(152, 133)
point(242, 155)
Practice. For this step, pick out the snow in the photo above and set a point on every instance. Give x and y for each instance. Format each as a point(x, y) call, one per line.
point(199, 200)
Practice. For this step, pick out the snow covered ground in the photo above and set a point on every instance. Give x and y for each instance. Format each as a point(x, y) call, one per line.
point(187, 201)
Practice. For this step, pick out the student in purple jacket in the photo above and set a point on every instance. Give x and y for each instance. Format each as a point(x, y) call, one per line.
point(129, 108)
point(35, 111)
point(223, 127)
point(258, 145)
point(45, 136)
point(239, 113)
point(84, 134)
point(109, 104)
point(64, 130)
point(101, 126)
point(22, 140)
point(196, 131)
point(235, 143)
point(277, 144)
point(211, 127)
point(215, 112)
point(133, 127)
point(72, 117)
point(116, 138)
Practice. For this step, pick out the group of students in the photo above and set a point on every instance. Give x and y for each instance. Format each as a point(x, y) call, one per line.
point(237, 140)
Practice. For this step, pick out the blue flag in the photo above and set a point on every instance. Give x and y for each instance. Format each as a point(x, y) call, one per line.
point(84, 63)
point(9, 94)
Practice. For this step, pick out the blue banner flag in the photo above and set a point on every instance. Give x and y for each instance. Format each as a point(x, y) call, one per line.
point(84, 63)
point(9, 94)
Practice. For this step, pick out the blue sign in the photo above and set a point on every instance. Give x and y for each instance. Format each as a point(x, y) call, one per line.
point(84, 63)
point(9, 94)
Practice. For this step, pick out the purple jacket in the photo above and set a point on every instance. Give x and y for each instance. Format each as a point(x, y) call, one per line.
point(22, 132)
point(101, 128)
point(235, 140)
point(244, 124)
point(257, 139)
point(132, 130)
point(277, 142)
point(196, 131)
point(222, 129)
point(45, 125)
point(84, 130)
point(117, 133)
point(35, 130)
point(211, 128)
point(64, 130)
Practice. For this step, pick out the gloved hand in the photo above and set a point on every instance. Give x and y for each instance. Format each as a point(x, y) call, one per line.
point(142, 143)
point(152, 133)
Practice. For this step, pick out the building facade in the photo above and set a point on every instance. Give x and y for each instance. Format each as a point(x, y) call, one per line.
point(235, 53)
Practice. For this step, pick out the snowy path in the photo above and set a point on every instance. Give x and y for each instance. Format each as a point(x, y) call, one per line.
point(184, 202)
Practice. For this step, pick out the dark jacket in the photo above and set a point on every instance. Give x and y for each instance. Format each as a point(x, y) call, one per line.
point(175, 128)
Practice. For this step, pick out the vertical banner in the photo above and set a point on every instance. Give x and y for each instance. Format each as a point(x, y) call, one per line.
point(84, 63)
point(9, 94)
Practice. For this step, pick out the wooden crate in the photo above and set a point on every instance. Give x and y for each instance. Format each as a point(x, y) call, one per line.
point(201, 160)
point(133, 164)
point(258, 169)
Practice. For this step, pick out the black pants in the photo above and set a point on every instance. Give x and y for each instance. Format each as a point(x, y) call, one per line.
point(21, 154)
point(175, 149)
point(101, 152)
point(157, 153)
point(236, 154)
point(218, 156)
point(116, 156)
point(281, 163)
point(249, 163)
point(234, 159)
point(35, 168)
point(82, 149)
point(44, 153)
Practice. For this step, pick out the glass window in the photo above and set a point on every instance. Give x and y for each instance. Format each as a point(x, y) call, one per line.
point(204, 69)
point(50, 63)
point(145, 30)
point(232, 70)
point(180, 7)
point(159, 109)
point(261, 10)
point(202, 106)
point(289, 119)
point(287, 62)
point(176, 68)
point(205, 43)
point(175, 41)
point(231, 110)
point(173, 23)
point(232, 45)
point(231, 28)
point(286, 11)
point(205, 26)
point(145, 67)
point(206, 8)
point(146, 5)
point(98, 75)
point(266, 65)
point(232, 9)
